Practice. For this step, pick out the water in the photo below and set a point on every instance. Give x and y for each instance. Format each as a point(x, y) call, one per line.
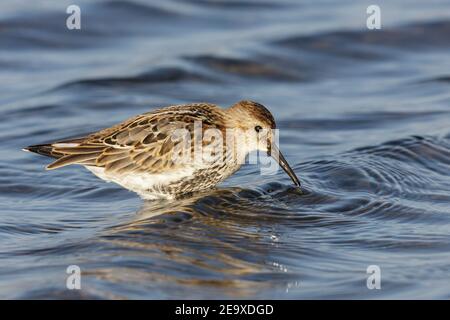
point(365, 123)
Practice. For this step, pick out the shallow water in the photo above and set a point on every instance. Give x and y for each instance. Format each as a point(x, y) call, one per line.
point(364, 119)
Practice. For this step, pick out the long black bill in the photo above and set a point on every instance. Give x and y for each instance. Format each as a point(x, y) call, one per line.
point(278, 156)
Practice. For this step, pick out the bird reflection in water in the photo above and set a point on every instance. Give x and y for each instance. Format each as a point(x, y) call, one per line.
point(213, 234)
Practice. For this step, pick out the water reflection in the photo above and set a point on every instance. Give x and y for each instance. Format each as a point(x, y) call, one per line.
point(195, 242)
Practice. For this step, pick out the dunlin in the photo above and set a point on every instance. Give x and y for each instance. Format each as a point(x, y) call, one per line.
point(143, 154)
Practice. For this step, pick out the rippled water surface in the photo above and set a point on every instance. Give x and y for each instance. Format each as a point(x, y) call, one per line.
point(364, 119)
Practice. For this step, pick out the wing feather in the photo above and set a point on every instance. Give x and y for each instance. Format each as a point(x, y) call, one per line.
point(143, 143)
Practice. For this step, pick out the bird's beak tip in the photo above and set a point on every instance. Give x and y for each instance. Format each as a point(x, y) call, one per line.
point(278, 156)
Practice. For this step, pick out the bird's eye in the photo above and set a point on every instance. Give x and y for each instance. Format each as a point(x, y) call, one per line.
point(258, 128)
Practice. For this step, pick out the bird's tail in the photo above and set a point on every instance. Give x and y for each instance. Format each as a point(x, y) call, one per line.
point(67, 152)
point(43, 149)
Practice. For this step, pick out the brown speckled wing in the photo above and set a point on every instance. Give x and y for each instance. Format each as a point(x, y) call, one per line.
point(141, 144)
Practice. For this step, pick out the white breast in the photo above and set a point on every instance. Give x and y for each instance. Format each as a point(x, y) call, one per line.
point(145, 184)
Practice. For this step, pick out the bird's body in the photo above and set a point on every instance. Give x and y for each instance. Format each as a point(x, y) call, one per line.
point(144, 155)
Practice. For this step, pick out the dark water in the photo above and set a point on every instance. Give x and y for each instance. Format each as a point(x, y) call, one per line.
point(364, 118)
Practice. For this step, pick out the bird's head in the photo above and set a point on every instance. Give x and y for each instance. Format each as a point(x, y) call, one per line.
point(258, 125)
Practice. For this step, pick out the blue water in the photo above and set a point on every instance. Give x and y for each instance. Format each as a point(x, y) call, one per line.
point(364, 120)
